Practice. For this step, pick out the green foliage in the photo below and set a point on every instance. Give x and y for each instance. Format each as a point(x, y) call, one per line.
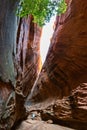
point(61, 7)
point(42, 10)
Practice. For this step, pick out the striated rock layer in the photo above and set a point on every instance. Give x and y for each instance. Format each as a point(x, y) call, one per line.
point(8, 31)
point(59, 94)
point(28, 61)
point(26, 64)
point(65, 69)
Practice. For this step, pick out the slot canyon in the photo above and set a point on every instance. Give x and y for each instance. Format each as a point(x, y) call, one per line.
point(49, 96)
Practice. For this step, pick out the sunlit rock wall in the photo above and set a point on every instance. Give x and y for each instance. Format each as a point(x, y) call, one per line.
point(65, 67)
point(28, 62)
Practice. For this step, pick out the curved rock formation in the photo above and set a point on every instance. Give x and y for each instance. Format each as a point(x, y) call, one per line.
point(8, 31)
point(65, 67)
point(59, 94)
point(28, 61)
point(24, 59)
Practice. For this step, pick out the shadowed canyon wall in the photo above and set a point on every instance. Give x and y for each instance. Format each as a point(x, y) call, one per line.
point(8, 30)
point(60, 91)
point(20, 62)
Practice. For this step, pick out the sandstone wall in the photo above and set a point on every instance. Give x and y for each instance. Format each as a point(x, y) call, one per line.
point(65, 68)
point(26, 63)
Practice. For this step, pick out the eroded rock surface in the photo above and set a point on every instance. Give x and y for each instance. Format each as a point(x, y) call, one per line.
point(59, 94)
point(28, 62)
point(8, 31)
point(65, 68)
point(26, 65)
point(66, 64)
point(79, 103)
point(40, 125)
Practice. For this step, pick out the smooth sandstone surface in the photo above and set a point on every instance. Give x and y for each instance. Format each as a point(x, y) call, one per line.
point(60, 92)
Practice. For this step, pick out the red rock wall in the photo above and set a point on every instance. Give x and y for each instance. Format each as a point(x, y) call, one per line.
point(28, 60)
point(65, 67)
point(27, 64)
point(66, 64)
point(63, 71)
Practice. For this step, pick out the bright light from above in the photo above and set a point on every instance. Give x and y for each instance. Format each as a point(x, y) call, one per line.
point(45, 38)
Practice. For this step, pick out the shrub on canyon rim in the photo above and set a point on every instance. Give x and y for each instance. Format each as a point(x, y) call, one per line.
point(42, 10)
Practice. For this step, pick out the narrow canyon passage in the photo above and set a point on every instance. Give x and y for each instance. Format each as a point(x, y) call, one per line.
point(47, 33)
point(56, 96)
